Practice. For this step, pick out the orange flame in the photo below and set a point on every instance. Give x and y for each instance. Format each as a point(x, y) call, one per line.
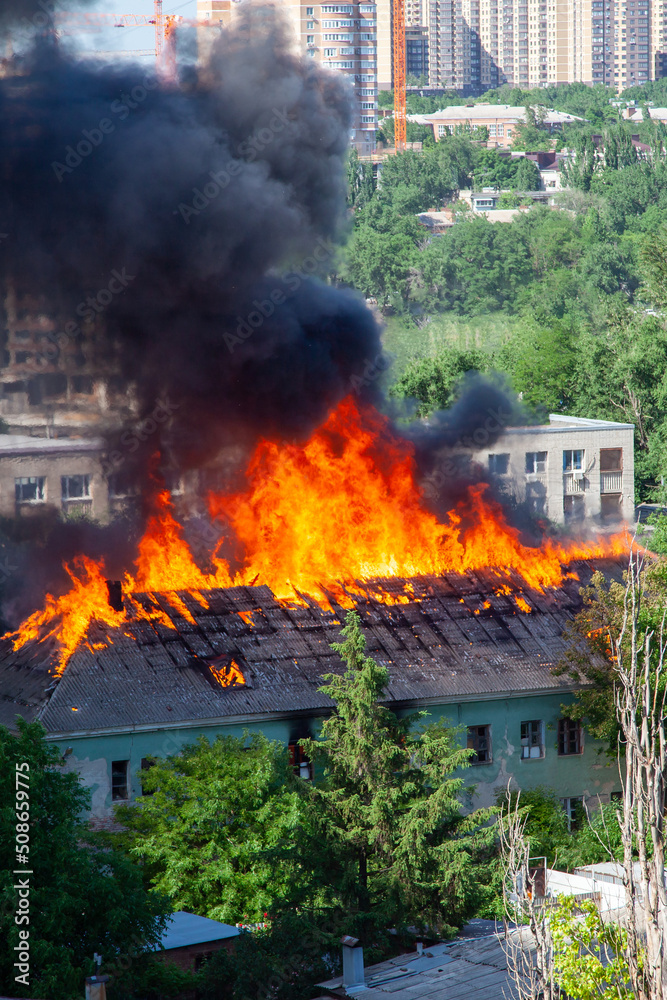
point(228, 675)
point(335, 517)
point(345, 507)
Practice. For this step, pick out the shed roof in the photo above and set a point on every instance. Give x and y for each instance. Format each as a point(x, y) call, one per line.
point(498, 111)
point(186, 929)
point(459, 639)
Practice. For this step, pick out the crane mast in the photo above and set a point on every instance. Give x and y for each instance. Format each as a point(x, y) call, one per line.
point(398, 53)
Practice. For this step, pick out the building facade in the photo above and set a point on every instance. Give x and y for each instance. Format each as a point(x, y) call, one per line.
point(501, 120)
point(343, 37)
point(463, 648)
point(571, 470)
point(476, 45)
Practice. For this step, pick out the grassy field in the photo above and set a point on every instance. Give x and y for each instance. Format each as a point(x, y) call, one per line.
point(402, 339)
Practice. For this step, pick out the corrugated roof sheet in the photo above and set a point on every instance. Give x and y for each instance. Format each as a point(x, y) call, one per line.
point(445, 645)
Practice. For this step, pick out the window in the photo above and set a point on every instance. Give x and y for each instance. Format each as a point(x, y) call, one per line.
point(536, 462)
point(574, 810)
point(574, 509)
point(499, 464)
point(309, 11)
point(310, 39)
point(119, 769)
point(479, 740)
point(611, 459)
point(30, 490)
point(569, 737)
point(302, 766)
point(329, 52)
point(75, 487)
point(532, 740)
point(573, 461)
point(310, 25)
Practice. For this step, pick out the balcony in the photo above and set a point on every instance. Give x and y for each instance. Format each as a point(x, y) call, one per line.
point(611, 482)
point(574, 482)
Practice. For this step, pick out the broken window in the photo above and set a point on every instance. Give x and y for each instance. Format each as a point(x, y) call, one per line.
point(574, 810)
point(75, 487)
point(30, 489)
point(301, 764)
point(499, 464)
point(574, 509)
point(532, 739)
point(536, 462)
point(479, 740)
point(119, 783)
point(569, 737)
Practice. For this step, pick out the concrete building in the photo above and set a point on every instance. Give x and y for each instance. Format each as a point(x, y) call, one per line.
point(500, 119)
point(343, 37)
point(479, 44)
point(570, 470)
point(61, 473)
point(463, 649)
point(340, 36)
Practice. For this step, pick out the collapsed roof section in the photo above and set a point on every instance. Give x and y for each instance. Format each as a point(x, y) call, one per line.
point(238, 653)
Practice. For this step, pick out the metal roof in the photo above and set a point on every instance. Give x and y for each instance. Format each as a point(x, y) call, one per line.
point(186, 929)
point(467, 967)
point(444, 646)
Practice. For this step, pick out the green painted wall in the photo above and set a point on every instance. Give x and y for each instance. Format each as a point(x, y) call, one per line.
point(588, 774)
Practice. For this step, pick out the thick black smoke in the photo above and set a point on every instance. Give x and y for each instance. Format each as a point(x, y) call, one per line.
point(179, 229)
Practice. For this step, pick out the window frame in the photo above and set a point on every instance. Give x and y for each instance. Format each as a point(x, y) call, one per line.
point(40, 482)
point(124, 776)
point(608, 451)
point(473, 737)
point(85, 477)
point(572, 467)
point(492, 463)
point(536, 461)
point(564, 737)
point(536, 731)
point(300, 763)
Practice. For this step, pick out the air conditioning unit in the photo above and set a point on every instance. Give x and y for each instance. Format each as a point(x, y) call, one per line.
point(578, 475)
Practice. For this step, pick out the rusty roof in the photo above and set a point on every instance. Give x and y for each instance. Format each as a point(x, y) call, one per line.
point(459, 639)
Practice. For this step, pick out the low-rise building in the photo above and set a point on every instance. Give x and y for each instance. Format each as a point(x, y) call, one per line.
point(190, 939)
point(569, 470)
point(467, 649)
point(501, 120)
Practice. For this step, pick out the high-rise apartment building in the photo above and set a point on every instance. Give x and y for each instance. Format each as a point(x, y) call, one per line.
point(341, 37)
point(475, 45)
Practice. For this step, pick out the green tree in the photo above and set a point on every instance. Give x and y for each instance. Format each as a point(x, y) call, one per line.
point(389, 805)
point(434, 381)
point(589, 952)
point(83, 898)
point(527, 177)
point(218, 828)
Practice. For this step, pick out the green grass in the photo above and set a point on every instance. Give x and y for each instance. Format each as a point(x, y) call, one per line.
point(402, 339)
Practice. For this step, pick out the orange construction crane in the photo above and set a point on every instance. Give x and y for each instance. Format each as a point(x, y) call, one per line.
point(398, 11)
point(96, 22)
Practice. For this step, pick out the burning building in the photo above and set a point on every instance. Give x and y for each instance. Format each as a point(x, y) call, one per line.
point(217, 199)
point(180, 665)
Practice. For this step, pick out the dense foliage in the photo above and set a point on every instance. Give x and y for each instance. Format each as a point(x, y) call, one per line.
point(84, 898)
point(582, 284)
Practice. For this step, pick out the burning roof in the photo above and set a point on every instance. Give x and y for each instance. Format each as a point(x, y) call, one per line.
point(232, 653)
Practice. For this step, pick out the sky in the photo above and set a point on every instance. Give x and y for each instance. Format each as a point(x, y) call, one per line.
point(131, 37)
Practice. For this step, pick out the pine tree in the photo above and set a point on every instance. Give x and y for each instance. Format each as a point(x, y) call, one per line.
point(389, 805)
